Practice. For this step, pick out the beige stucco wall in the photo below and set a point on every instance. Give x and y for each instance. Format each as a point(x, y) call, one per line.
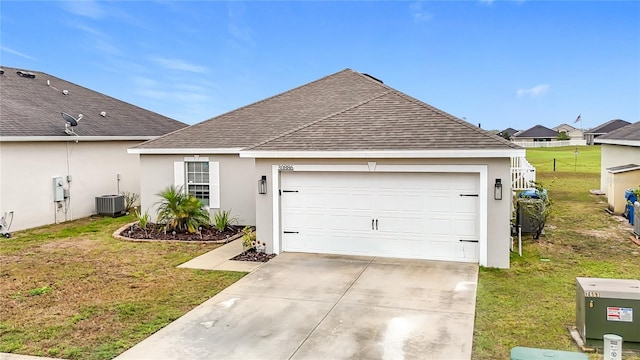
point(618, 185)
point(238, 184)
point(616, 155)
point(499, 211)
point(27, 170)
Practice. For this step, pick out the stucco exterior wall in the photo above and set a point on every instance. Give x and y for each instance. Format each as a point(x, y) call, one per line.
point(616, 155)
point(499, 211)
point(27, 170)
point(618, 185)
point(238, 185)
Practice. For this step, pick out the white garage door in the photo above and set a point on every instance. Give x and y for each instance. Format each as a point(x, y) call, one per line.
point(408, 215)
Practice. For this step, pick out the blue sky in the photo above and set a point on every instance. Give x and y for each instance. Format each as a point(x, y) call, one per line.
point(498, 63)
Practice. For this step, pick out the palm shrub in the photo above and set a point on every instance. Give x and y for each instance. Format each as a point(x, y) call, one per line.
point(180, 211)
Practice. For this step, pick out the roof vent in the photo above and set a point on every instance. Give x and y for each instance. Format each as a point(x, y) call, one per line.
point(26, 74)
point(103, 113)
point(66, 92)
point(1, 71)
point(374, 78)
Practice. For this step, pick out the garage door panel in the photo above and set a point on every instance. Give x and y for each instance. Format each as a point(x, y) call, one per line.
point(466, 229)
point(419, 215)
point(439, 202)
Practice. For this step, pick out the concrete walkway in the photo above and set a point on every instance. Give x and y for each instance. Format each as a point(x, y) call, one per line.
point(310, 306)
point(218, 259)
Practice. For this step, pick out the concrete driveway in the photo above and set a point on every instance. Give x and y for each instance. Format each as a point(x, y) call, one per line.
point(310, 306)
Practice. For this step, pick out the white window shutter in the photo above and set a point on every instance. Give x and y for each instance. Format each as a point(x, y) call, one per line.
point(214, 184)
point(178, 174)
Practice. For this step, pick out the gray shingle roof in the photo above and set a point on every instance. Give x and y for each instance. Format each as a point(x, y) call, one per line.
point(537, 131)
point(343, 111)
point(608, 127)
point(628, 132)
point(508, 131)
point(33, 107)
point(557, 128)
point(390, 121)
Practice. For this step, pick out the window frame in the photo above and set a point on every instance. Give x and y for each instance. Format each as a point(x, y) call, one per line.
point(180, 176)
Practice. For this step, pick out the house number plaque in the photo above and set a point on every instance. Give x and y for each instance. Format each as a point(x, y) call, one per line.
point(285, 167)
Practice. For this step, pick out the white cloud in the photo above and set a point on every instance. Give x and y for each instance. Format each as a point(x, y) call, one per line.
point(178, 64)
point(14, 52)
point(535, 91)
point(99, 40)
point(237, 26)
point(86, 8)
point(163, 89)
point(419, 15)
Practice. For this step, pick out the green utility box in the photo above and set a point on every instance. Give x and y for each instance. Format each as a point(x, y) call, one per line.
point(525, 353)
point(608, 306)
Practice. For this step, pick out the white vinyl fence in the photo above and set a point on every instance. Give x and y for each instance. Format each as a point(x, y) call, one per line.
point(553, 143)
point(523, 174)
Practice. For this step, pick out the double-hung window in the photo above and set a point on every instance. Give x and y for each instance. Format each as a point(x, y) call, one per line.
point(199, 177)
point(198, 180)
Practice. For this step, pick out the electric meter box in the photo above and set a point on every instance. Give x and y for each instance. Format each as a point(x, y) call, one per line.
point(608, 306)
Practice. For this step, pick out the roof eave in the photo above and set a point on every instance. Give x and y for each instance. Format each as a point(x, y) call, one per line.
point(617, 142)
point(73, 138)
point(177, 151)
point(387, 154)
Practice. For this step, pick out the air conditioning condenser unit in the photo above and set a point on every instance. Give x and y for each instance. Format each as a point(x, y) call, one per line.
point(112, 205)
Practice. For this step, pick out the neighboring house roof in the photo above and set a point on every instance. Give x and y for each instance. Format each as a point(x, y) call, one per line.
point(340, 112)
point(623, 168)
point(537, 131)
point(607, 127)
point(508, 131)
point(626, 135)
point(32, 106)
point(565, 127)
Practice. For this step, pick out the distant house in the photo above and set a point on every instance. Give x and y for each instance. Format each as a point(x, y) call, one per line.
point(572, 132)
point(603, 129)
point(52, 171)
point(620, 163)
point(507, 133)
point(537, 133)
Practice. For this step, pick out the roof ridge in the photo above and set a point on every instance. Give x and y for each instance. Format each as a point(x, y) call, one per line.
point(467, 124)
point(286, 133)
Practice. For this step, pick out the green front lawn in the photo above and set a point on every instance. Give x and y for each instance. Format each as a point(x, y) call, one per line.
point(533, 302)
point(72, 291)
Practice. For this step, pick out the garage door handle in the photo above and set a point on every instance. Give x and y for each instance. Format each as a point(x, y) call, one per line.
point(472, 195)
point(376, 224)
point(463, 240)
point(290, 232)
point(372, 222)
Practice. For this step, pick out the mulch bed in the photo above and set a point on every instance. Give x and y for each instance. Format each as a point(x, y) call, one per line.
point(253, 255)
point(155, 232)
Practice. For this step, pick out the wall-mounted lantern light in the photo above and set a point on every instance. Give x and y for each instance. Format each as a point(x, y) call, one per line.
point(497, 190)
point(262, 185)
